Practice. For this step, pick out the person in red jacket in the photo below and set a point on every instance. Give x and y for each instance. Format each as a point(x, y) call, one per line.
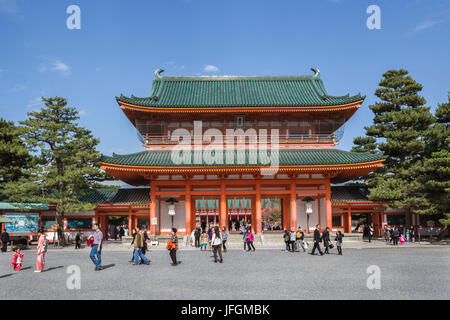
point(17, 260)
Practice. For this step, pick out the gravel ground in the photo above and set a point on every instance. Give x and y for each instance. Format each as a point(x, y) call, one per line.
point(409, 273)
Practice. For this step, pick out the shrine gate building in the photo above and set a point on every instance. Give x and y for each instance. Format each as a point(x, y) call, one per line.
point(279, 156)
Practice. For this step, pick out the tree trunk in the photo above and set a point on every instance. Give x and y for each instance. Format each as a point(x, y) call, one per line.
point(60, 230)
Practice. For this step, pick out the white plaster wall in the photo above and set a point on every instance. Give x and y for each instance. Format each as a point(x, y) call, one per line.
point(179, 221)
point(302, 217)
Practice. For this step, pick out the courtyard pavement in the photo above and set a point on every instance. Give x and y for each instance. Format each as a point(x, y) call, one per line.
point(406, 273)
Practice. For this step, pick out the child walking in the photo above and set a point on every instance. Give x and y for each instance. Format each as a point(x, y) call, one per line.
point(204, 239)
point(17, 260)
point(338, 240)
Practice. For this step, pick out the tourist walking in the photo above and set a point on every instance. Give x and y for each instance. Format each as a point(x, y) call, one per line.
point(224, 239)
point(370, 230)
point(299, 237)
point(78, 240)
point(292, 239)
point(41, 250)
point(174, 247)
point(96, 251)
point(250, 239)
point(244, 237)
point(317, 240)
point(121, 232)
point(216, 242)
point(287, 239)
point(326, 239)
point(203, 241)
point(338, 239)
point(138, 247)
point(197, 237)
point(413, 234)
point(133, 233)
point(5, 239)
point(395, 235)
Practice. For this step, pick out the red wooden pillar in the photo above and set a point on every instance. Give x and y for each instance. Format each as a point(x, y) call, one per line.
point(349, 220)
point(286, 213)
point(187, 207)
point(223, 205)
point(153, 207)
point(329, 215)
point(293, 206)
point(130, 221)
point(258, 211)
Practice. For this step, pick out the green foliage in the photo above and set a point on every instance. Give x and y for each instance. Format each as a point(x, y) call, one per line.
point(66, 160)
point(399, 130)
point(14, 155)
point(434, 180)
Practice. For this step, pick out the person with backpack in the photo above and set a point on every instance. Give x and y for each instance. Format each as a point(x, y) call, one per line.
point(41, 250)
point(173, 248)
point(216, 242)
point(138, 247)
point(300, 236)
point(338, 239)
point(317, 241)
point(286, 238)
point(224, 239)
point(250, 239)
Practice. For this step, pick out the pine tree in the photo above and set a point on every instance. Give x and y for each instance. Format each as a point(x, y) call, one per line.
point(14, 155)
point(66, 161)
point(400, 124)
point(435, 166)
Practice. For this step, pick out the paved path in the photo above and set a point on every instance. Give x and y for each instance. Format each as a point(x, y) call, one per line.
point(408, 273)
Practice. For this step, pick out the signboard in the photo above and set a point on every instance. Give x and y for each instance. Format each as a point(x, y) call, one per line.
point(154, 221)
point(22, 222)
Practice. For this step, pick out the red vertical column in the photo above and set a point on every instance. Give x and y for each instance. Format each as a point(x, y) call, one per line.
point(329, 223)
point(293, 206)
point(223, 205)
point(153, 207)
point(349, 220)
point(187, 207)
point(258, 210)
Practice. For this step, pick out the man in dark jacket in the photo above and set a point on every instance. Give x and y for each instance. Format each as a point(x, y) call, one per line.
point(197, 237)
point(5, 240)
point(317, 240)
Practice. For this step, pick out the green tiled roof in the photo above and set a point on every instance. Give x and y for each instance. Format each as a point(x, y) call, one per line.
point(115, 195)
point(238, 91)
point(23, 206)
point(349, 193)
point(287, 158)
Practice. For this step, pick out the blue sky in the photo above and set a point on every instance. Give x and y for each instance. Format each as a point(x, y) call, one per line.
point(121, 43)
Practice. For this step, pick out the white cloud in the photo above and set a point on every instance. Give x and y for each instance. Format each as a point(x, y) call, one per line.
point(431, 22)
point(82, 112)
point(9, 7)
point(58, 65)
point(34, 102)
point(54, 65)
point(210, 68)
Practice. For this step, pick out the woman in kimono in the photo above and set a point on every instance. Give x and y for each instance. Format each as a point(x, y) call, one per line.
point(41, 250)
